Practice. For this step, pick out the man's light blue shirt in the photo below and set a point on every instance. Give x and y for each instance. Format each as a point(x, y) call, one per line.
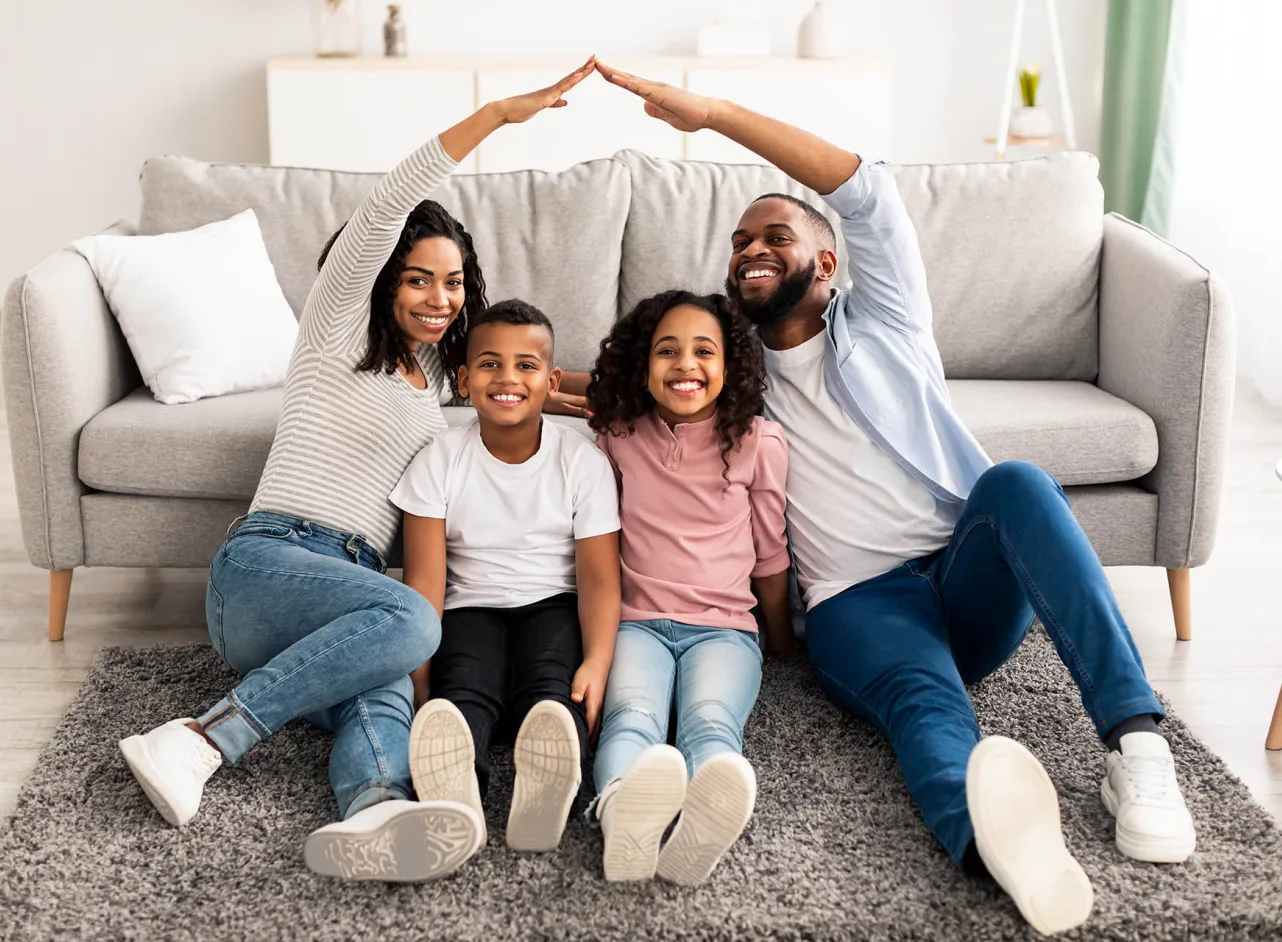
point(881, 361)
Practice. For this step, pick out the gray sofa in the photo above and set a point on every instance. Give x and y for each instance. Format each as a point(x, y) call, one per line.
point(1073, 339)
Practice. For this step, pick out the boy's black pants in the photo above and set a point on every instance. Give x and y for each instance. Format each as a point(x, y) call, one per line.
point(496, 663)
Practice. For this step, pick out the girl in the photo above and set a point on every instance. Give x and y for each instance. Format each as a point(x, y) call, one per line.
point(298, 600)
point(676, 391)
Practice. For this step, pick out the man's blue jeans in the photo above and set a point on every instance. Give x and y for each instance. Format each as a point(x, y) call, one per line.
point(897, 650)
point(713, 674)
point(307, 615)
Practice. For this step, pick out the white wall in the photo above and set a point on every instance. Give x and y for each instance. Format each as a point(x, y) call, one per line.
point(89, 89)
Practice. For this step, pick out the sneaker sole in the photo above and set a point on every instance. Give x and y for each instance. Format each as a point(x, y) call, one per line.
point(719, 802)
point(138, 757)
point(443, 758)
point(1145, 847)
point(424, 842)
point(1015, 813)
point(546, 756)
point(648, 798)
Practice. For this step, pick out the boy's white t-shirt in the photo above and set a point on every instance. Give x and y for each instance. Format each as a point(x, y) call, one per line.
point(510, 528)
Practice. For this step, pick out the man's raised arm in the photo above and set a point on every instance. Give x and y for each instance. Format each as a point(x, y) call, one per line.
point(806, 157)
point(884, 259)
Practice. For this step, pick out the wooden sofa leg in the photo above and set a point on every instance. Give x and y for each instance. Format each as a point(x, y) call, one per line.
point(1274, 739)
point(1178, 581)
point(59, 594)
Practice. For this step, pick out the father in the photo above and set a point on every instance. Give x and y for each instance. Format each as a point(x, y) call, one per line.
point(920, 563)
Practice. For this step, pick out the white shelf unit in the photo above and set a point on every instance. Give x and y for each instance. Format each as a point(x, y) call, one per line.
point(366, 114)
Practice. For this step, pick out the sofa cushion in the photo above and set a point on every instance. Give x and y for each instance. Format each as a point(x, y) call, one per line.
point(214, 448)
point(1011, 251)
point(1076, 431)
point(553, 239)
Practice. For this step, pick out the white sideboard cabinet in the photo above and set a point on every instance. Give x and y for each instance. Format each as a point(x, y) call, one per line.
point(366, 114)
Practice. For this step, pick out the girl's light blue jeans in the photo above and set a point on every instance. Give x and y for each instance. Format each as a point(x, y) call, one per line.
point(306, 614)
point(714, 674)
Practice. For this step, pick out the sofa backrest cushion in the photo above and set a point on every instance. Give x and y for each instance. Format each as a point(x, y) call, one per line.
point(1011, 251)
point(553, 239)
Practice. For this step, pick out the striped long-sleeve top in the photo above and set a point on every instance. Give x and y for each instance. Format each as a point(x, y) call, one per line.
point(345, 437)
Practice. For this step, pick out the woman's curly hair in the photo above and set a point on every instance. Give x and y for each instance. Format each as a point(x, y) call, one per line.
point(618, 390)
point(387, 349)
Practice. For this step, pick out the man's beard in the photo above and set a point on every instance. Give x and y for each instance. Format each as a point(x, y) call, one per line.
point(768, 312)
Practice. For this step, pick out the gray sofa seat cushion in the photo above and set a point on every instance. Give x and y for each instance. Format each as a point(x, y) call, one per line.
point(1076, 431)
point(553, 239)
point(216, 448)
point(1011, 251)
point(213, 448)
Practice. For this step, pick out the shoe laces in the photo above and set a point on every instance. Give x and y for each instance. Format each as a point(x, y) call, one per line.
point(1152, 780)
point(203, 759)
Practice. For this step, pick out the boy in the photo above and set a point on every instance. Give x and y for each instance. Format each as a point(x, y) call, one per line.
point(500, 516)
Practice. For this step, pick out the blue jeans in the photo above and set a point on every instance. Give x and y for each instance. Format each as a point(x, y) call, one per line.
point(898, 649)
point(307, 616)
point(715, 674)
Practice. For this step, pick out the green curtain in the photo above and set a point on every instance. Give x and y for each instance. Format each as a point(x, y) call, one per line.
point(1135, 56)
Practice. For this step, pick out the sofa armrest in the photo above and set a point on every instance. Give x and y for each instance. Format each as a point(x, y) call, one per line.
point(1166, 346)
point(63, 360)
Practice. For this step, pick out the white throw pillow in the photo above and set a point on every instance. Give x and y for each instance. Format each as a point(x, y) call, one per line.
point(202, 310)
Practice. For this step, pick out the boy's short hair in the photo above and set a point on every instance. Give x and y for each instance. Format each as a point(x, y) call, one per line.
point(511, 311)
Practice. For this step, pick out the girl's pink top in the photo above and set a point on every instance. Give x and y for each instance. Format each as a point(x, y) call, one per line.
point(690, 541)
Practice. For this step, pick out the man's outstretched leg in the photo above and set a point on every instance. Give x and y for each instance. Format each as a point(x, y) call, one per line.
point(881, 652)
point(1017, 549)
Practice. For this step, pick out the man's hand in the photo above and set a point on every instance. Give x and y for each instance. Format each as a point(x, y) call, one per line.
point(684, 110)
point(524, 107)
point(563, 403)
point(589, 689)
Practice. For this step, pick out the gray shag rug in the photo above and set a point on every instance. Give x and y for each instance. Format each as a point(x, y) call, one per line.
point(836, 849)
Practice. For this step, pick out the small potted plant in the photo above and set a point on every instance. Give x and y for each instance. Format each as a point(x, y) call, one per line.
point(1030, 120)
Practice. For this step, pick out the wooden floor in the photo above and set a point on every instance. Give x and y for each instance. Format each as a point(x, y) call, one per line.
point(1223, 683)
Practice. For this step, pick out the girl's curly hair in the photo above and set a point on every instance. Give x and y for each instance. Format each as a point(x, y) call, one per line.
point(618, 389)
point(387, 348)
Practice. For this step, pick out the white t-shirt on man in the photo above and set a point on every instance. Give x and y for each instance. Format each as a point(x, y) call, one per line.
point(510, 528)
point(853, 512)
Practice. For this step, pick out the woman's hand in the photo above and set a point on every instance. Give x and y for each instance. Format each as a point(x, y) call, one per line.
point(524, 107)
point(684, 110)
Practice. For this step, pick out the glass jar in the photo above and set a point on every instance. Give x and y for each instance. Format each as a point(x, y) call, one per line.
point(338, 27)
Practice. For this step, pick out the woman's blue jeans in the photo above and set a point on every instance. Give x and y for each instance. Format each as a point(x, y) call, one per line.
point(307, 615)
point(899, 649)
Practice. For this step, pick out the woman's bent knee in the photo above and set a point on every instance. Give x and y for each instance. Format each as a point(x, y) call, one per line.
point(418, 628)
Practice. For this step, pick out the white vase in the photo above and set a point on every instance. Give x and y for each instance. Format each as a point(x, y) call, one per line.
point(338, 27)
point(1031, 122)
point(822, 32)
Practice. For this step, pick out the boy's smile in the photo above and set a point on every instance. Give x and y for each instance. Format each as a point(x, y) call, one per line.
point(509, 373)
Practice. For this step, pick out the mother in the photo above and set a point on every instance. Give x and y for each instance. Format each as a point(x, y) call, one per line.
point(298, 600)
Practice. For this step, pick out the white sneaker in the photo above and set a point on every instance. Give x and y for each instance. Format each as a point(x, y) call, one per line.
point(395, 841)
point(1015, 813)
point(546, 756)
point(443, 758)
point(636, 809)
point(1140, 790)
point(719, 802)
point(172, 763)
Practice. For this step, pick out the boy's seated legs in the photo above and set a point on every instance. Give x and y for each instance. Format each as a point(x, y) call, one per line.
point(450, 742)
point(512, 664)
point(545, 648)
